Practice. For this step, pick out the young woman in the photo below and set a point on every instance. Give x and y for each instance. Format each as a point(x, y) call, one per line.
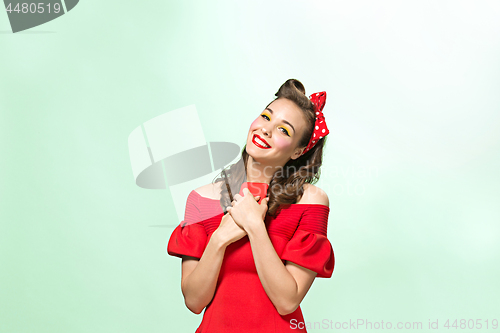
point(253, 241)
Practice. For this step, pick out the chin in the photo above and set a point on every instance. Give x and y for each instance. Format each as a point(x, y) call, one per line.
point(251, 153)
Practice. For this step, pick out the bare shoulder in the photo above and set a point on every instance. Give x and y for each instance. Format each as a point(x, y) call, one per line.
point(314, 195)
point(211, 190)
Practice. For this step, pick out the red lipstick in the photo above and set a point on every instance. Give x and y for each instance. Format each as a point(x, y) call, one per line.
point(261, 143)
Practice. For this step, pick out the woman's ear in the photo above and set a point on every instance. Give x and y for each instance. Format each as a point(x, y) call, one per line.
point(297, 153)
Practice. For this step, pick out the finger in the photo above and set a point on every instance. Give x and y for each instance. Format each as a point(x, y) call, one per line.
point(246, 192)
point(257, 198)
point(237, 196)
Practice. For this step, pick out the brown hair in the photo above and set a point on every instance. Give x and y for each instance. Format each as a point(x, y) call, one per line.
point(286, 185)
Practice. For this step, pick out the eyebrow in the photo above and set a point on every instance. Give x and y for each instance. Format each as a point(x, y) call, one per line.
point(286, 122)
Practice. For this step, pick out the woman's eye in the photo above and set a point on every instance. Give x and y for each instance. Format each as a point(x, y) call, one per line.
point(285, 131)
point(265, 116)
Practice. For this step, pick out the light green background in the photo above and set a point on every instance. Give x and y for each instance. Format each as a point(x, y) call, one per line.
point(413, 95)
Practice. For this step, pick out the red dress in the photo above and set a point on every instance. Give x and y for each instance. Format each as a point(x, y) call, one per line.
point(240, 303)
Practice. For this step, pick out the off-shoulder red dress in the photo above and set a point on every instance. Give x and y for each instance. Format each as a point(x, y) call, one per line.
point(240, 304)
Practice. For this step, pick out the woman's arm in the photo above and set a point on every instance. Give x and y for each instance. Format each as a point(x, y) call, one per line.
point(285, 286)
point(199, 277)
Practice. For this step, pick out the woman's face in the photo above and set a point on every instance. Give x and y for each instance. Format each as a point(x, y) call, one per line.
point(281, 126)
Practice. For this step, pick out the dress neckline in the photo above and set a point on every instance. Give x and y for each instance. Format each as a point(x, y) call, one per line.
point(295, 204)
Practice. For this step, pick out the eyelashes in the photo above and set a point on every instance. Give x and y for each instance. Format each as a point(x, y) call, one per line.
point(284, 129)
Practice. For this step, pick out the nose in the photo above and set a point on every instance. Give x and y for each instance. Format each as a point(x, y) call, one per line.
point(265, 132)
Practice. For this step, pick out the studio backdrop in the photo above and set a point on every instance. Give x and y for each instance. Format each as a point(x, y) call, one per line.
point(111, 112)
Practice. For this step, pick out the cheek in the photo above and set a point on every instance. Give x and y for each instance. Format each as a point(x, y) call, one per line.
point(254, 125)
point(282, 143)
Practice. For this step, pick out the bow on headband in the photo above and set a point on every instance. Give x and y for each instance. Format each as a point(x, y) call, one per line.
point(320, 129)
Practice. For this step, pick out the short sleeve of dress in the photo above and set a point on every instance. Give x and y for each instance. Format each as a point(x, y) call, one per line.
point(309, 247)
point(189, 238)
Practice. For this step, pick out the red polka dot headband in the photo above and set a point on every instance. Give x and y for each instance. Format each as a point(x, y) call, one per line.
point(320, 129)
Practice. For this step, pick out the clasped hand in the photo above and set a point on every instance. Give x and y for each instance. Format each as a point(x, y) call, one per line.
point(246, 211)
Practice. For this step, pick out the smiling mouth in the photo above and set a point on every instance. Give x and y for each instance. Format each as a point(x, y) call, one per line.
point(259, 143)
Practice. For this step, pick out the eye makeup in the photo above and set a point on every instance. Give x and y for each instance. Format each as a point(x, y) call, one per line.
point(286, 131)
point(265, 114)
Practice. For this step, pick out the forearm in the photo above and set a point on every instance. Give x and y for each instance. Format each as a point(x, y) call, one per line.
point(199, 286)
point(279, 284)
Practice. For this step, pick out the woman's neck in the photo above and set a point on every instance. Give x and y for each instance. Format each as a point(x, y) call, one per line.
point(258, 172)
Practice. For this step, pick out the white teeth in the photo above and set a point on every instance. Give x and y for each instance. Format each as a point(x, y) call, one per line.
point(260, 141)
